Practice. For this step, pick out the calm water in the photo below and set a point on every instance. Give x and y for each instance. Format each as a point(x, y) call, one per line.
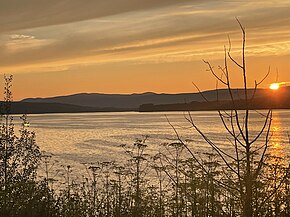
point(91, 137)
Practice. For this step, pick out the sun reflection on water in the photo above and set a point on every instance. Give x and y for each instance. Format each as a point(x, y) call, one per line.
point(277, 144)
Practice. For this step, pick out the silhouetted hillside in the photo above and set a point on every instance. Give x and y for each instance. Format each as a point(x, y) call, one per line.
point(133, 101)
point(93, 102)
point(41, 107)
point(269, 99)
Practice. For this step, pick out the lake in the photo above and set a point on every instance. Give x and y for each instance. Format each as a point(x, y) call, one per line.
point(90, 137)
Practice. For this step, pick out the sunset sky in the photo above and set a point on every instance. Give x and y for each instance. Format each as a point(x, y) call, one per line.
point(60, 47)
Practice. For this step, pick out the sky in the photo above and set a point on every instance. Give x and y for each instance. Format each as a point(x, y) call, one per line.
point(61, 47)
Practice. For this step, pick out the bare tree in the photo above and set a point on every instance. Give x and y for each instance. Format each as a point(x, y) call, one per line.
point(243, 161)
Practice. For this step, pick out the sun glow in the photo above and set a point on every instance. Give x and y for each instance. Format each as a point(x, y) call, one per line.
point(274, 86)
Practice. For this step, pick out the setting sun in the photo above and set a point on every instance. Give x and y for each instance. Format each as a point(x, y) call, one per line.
point(274, 86)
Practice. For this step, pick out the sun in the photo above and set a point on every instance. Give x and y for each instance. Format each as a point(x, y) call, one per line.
point(274, 86)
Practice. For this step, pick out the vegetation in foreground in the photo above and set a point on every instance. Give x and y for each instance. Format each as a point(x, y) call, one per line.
point(243, 180)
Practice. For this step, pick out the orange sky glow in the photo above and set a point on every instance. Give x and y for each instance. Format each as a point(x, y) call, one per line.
point(135, 46)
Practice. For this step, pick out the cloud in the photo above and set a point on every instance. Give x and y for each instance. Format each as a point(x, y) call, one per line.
point(19, 14)
point(21, 37)
point(163, 31)
point(22, 43)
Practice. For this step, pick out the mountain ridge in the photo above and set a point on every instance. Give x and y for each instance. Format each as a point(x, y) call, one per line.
point(150, 101)
point(133, 101)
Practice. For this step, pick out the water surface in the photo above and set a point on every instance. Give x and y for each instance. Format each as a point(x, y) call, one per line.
point(90, 137)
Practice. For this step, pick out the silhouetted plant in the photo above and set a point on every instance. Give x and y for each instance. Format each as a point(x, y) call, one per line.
point(243, 161)
point(139, 166)
point(19, 158)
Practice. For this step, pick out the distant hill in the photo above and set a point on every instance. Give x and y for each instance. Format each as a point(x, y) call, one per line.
point(256, 104)
point(94, 102)
point(42, 107)
point(265, 100)
point(133, 101)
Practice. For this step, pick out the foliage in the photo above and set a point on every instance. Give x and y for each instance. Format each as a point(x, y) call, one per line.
point(19, 157)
